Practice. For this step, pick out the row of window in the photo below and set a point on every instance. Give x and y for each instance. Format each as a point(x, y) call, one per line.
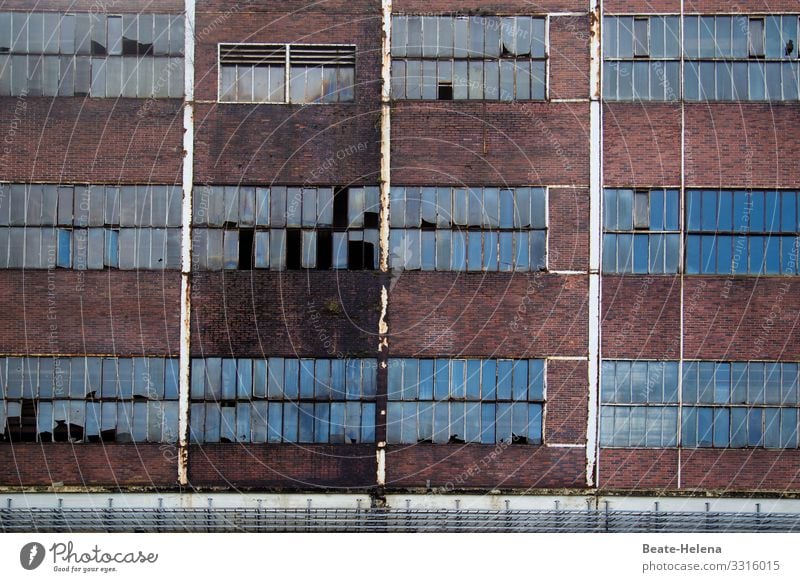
point(93, 377)
point(281, 249)
point(653, 382)
point(283, 378)
point(96, 205)
point(504, 79)
point(414, 207)
point(628, 210)
point(468, 37)
point(462, 379)
point(91, 33)
point(282, 206)
point(719, 427)
point(463, 422)
point(90, 248)
point(89, 421)
point(289, 422)
point(742, 211)
point(705, 37)
point(748, 404)
point(475, 250)
point(742, 255)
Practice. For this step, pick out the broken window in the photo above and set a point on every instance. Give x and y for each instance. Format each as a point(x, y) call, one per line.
point(465, 401)
point(287, 227)
point(642, 231)
point(49, 55)
point(280, 73)
point(283, 400)
point(90, 227)
point(476, 229)
point(89, 399)
point(468, 58)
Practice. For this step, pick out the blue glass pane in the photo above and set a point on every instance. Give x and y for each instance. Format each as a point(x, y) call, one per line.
point(625, 253)
point(368, 423)
point(721, 427)
point(756, 85)
point(788, 428)
point(705, 418)
point(410, 379)
point(306, 378)
point(322, 416)
point(788, 211)
point(489, 380)
point(691, 81)
point(473, 379)
point(536, 380)
point(738, 383)
point(426, 368)
point(474, 250)
point(690, 387)
point(610, 209)
point(228, 379)
point(724, 254)
point(338, 379)
point(291, 374)
point(503, 423)
point(657, 253)
point(772, 210)
point(755, 427)
point(625, 209)
point(689, 427)
point(709, 212)
point(322, 379)
point(504, 369)
point(490, 250)
point(708, 250)
point(789, 384)
point(756, 244)
point(693, 209)
point(394, 421)
point(520, 380)
point(458, 379)
point(755, 383)
point(487, 423)
point(641, 254)
point(670, 381)
point(395, 378)
point(772, 428)
point(353, 378)
point(741, 211)
point(657, 210)
point(609, 253)
point(274, 422)
point(442, 379)
point(459, 256)
point(738, 427)
point(722, 383)
point(773, 255)
point(705, 382)
point(757, 212)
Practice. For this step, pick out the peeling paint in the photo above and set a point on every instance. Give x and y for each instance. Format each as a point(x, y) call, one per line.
point(186, 247)
point(380, 457)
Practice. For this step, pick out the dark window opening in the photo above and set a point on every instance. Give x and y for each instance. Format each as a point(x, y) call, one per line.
point(23, 428)
point(294, 249)
point(246, 236)
point(445, 92)
point(371, 220)
point(455, 439)
point(324, 249)
point(518, 439)
point(360, 255)
point(340, 207)
point(97, 48)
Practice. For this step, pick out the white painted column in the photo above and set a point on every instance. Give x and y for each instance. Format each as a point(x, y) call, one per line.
point(595, 234)
point(186, 244)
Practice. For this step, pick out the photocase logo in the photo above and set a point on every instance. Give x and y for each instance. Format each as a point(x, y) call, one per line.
point(31, 555)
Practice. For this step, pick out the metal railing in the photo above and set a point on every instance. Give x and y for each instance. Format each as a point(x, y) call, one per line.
point(215, 519)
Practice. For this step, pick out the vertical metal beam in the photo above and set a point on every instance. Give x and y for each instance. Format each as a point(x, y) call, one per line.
point(385, 183)
point(683, 241)
point(595, 234)
point(186, 244)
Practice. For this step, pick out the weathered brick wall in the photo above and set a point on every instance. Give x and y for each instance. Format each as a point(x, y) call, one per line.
point(566, 407)
point(488, 314)
point(742, 145)
point(75, 139)
point(483, 467)
point(481, 143)
point(630, 469)
point(488, 8)
point(743, 318)
point(641, 317)
point(122, 313)
point(285, 466)
point(569, 57)
point(568, 234)
point(697, 6)
point(97, 6)
point(641, 144)
point(101, 464)
point(257, 313)
point(740, 470)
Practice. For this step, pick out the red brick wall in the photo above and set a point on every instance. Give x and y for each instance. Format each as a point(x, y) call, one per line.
point(94, 312)
point(490, 7)
point(286, 466)
point(641, 317)
point(569, 57)
point(481, 143)
point(740, 470)
point(286, 144)
point(75, 139)
point(742, 145)
point(701, 6)
point(568, 244)
point(291, 314)
point(101, 464)
point(456, 467)
point(566, 408)
point(641, 144)
point(638, 469)
point(291, 6)
point(743, 318)
point(487, 314)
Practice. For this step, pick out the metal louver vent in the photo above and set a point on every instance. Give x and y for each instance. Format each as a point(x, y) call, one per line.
point(252, 54)
point(318, 54)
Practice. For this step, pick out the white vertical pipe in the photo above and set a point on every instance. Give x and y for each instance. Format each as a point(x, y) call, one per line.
point(186, 243)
